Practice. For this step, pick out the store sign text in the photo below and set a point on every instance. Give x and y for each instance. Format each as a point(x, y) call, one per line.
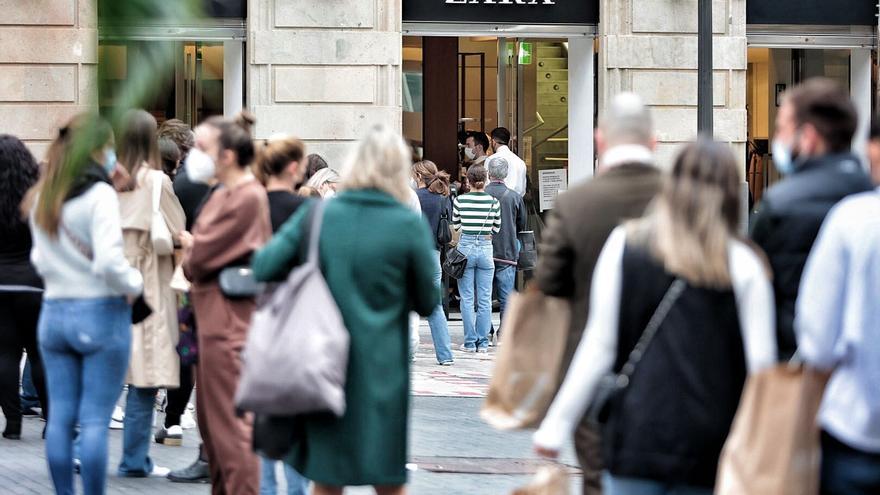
point(502, 2)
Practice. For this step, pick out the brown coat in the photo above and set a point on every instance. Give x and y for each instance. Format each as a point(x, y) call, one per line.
point(577, 230)
point(154, 360)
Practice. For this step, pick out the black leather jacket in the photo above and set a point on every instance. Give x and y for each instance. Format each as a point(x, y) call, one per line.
point(788, 221)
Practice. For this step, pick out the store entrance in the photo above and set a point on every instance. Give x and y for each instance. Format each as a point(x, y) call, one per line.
point(474, 84)
point(188, 82)
point(772, 71)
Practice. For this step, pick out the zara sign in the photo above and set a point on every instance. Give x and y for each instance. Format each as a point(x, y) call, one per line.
point(523, 12)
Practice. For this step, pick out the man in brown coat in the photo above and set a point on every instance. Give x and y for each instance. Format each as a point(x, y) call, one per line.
point(582, 220)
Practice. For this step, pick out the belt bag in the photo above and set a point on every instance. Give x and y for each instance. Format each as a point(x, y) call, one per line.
point(238, 282)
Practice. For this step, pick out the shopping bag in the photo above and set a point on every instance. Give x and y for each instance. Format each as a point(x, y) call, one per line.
point(773, 446)
point(549, 480)
point(524, 381)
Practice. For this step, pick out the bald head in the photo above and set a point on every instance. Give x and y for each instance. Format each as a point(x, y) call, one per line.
point(627, 121)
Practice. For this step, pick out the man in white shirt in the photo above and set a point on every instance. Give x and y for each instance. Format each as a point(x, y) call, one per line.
point(516, 172)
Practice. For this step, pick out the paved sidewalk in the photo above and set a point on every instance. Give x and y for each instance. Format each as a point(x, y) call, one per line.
point(447, 435)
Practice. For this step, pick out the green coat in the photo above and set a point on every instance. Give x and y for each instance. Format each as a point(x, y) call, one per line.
point(378, 259)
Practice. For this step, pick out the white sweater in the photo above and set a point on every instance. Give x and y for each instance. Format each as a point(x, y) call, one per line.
point(596, 352)
point(93, 218)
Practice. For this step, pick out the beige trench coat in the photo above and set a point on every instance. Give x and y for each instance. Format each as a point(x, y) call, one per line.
point(154, 359)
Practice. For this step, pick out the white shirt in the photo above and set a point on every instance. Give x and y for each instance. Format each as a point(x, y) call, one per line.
point(837, 320)
point(596, 353)
point(93, 218)
point(516, 169)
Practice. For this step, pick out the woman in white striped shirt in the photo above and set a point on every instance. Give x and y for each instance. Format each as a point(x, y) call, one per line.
point(477, 215)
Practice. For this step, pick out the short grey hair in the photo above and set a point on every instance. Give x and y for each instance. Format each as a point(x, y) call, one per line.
point(498, 168)
point(627, 121)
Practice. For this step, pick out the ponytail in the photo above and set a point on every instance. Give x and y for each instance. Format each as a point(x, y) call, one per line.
point(436, 181)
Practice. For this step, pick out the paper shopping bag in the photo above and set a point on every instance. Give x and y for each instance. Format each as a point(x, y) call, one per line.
point(773, 447)
point(524, 382)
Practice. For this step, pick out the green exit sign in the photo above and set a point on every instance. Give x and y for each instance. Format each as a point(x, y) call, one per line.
point(525, 53)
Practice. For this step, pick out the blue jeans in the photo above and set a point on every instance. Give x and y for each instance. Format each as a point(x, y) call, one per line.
point(476, 283)
point(85, 345)
point(848, 471)
point(29, 397)
point(137, 432)
point(615, 485)
point(297, 484)
point(505, 278)
point(437, 322)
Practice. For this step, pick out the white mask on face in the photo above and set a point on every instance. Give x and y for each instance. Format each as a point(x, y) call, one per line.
point(329, 193)
point(199, 166)
point(470, 153)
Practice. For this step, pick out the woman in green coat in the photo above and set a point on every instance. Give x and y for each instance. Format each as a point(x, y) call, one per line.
point(376, 256)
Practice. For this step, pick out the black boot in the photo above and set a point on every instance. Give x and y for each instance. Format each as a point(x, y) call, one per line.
point(197, 472)
point(13, 430)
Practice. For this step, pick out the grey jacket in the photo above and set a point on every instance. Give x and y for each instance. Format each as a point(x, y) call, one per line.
point(513, 220)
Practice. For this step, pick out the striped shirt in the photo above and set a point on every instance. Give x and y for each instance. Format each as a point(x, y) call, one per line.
point(476, 213)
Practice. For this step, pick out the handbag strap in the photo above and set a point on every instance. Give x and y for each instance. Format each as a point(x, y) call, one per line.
point(672, 294)
point(315, 231)
point(157, 191)
point(80, 246)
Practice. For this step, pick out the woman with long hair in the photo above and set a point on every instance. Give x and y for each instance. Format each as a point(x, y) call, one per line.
point(477, 215)
point(665, 430)
point(20, 286)
point(433, 192)
point(232, 224)
point(368, 220)
point(154, 360)
point(85, 321)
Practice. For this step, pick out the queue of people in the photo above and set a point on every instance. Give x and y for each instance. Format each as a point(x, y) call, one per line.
point(663, 287)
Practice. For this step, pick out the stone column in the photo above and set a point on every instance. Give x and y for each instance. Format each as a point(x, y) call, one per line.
point(49, 52)
point(650, 47)
point(324, 71)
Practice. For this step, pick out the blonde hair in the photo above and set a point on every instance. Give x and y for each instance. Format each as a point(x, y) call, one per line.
point(380, 161)
point(690, 224)
point(323, 176)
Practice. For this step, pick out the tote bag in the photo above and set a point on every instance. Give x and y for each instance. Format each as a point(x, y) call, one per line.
point(160, 236)
point(535, 330)
point(773, 446)
point(296, 355)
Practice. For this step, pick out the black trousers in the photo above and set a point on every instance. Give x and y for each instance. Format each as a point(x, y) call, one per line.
point(19, 314)
point(179, 397)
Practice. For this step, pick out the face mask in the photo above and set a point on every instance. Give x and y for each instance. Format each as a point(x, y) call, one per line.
point(783, 156)
point(413, 184)
point(329, 193)
point(199, 166)
point(109, 160)
point(470, 153)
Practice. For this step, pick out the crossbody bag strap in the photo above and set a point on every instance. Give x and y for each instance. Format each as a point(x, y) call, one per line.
point(156, 191)
point(80, 246)
point(672, 294)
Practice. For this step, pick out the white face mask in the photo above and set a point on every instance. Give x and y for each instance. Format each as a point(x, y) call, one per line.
point(470, 153)
point(329, 193)
point(199, 166)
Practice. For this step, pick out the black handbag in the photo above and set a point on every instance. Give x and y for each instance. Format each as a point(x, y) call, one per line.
point(612, 386)
point(455, 263)
point(528, 254)
point(238, 282)
point(444, 233)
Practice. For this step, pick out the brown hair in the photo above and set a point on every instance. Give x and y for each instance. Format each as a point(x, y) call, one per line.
point(179, 132)
point(825, 105)
point(66, 161)
point(691, 223)
point(276, 155)
point(436, 181)
point(138, 145)
point(235, 135)
point(477, 176)
point(316, 162)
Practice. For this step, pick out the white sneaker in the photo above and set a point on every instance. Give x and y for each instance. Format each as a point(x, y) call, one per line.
point(186, 420)
point(116, 420)
point(159, 472)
